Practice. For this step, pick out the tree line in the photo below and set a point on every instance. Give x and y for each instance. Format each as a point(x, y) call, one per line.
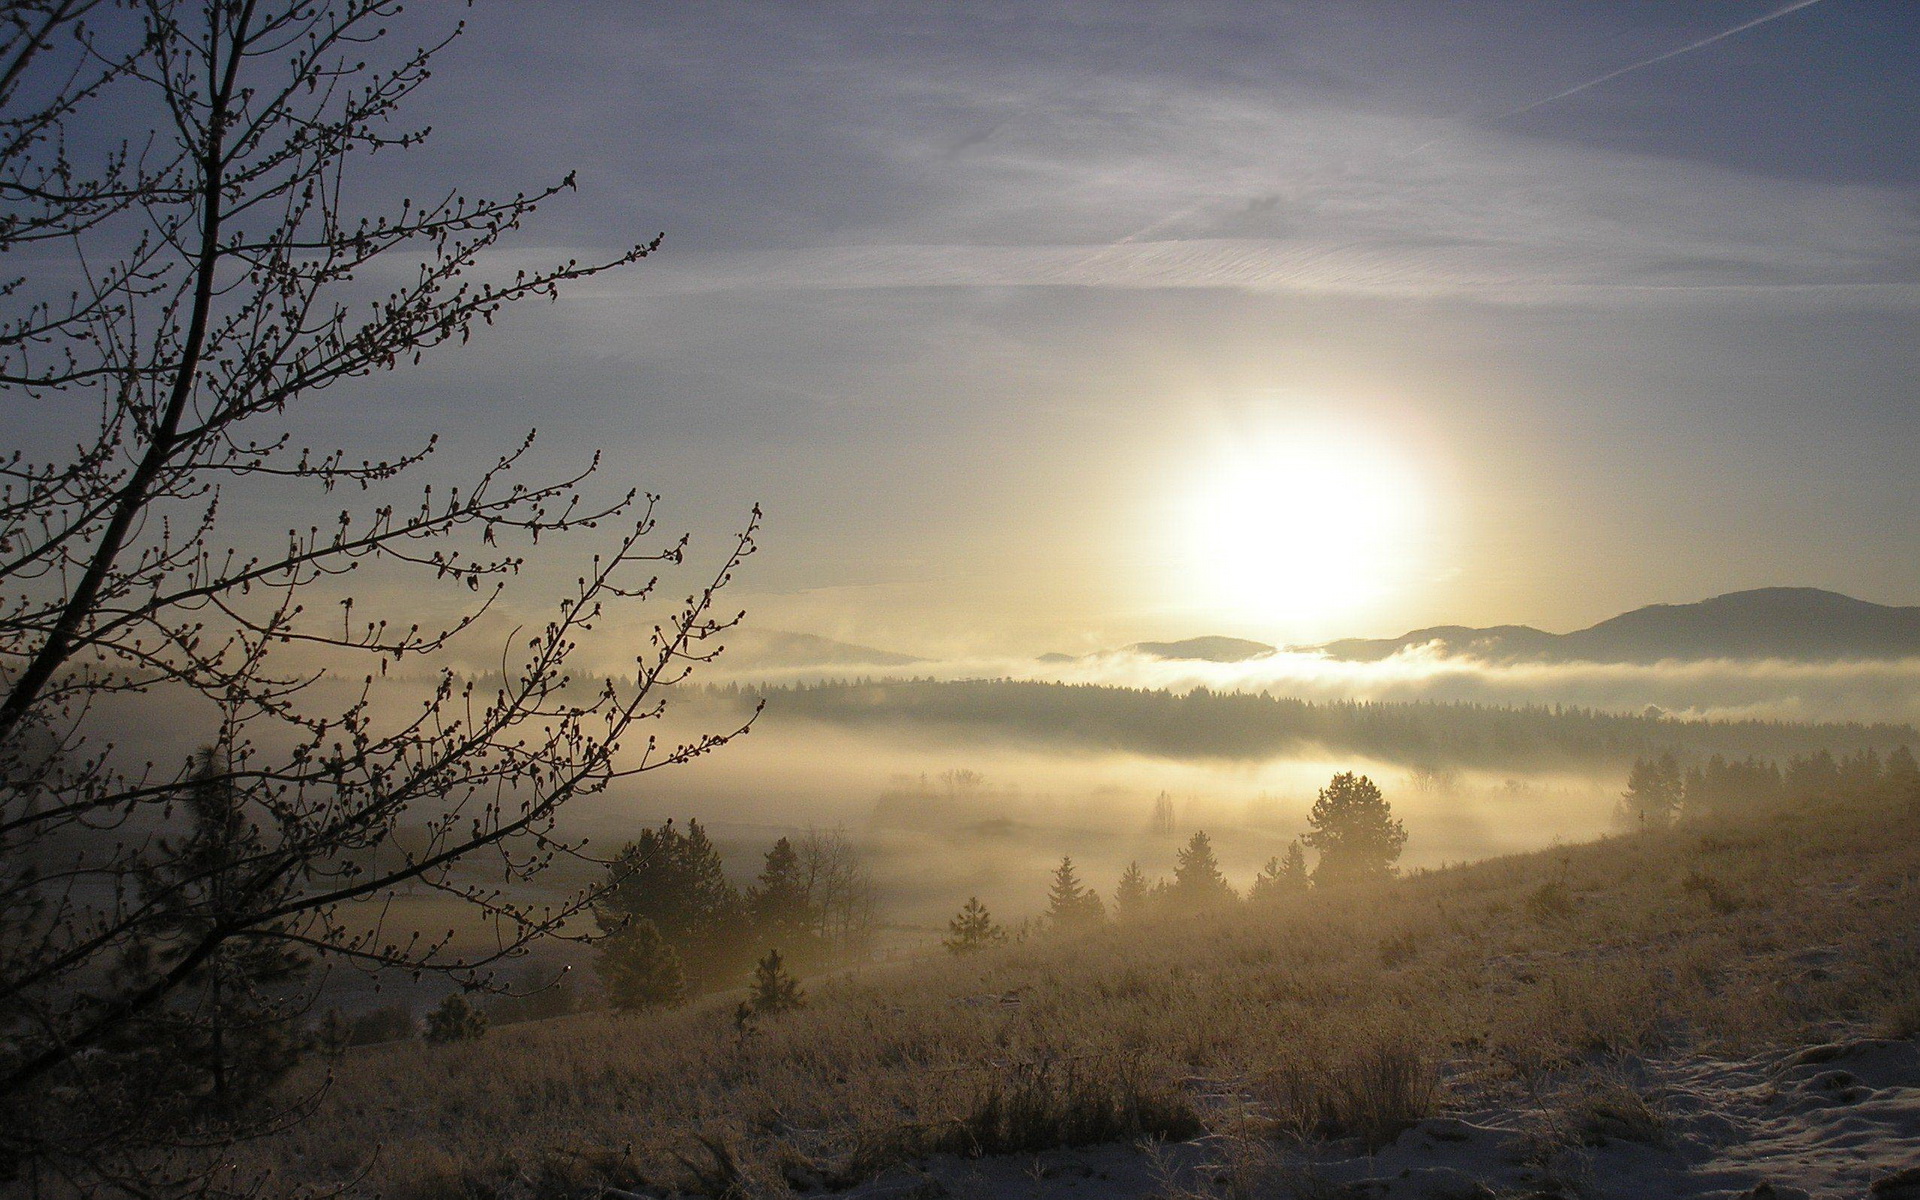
point(1660, 791)
point(1351, 827)
point(1203, 723)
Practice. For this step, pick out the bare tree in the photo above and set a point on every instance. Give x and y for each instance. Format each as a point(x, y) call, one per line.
point(178, 288)
point(840, 897)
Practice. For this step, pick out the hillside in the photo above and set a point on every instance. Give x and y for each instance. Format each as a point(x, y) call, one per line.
point(1689, 1014)
point(1803, 624)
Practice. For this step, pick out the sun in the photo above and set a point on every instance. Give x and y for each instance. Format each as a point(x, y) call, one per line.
point(1299, 527)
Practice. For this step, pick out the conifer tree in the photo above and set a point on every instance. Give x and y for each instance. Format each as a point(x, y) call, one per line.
point(778, 906)
point(675, 880)
point(456, 1020)
point(1073, 907)
point(1654, 792)
point(1281, 876)
point(1130, 894)
point(774, 990)
point(231, 1028)
point(1197, 881)
point(639, 969)
point(1902, 780)
point(1353, 828)
point(973, 929)
point(1293, 868)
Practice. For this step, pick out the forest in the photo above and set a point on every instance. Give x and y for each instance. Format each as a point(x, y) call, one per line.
point(1207, 724)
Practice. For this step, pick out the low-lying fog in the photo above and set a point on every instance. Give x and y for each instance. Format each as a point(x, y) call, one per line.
point(946, 818)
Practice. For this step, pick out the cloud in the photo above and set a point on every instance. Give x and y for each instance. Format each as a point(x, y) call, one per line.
point(1277, 194)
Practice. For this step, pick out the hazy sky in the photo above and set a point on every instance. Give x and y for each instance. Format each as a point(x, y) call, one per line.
point(1055, 325)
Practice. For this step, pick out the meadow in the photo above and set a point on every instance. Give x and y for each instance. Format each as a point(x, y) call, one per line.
point(1223, 1053)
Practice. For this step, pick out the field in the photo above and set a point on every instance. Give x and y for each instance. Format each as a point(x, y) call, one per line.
point(1613, 1018)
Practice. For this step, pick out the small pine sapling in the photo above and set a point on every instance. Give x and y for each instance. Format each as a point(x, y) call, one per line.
point(774, 990)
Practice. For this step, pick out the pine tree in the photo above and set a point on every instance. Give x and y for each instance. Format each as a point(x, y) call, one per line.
point(639, 968)
point(1902, 779)
point(1073, 907)
point(456, 1020)
point(774, 991)
point(1353, 828)
point(973, 929)
point(232, 1027)
point(675, 880)
point(1280, 877)
point(1197, 881)
point(1293, 869)
point(778, 906)
point(1130, 894)
point(1654, 792)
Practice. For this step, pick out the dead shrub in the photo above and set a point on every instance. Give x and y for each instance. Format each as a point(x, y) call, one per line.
point(1373, 1095)
point(1614, 1110)
point(1551, 901)
point(1048, 1103)
point(1717, 895)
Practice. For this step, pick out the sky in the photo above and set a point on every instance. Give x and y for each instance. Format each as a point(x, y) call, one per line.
point(1055, 326)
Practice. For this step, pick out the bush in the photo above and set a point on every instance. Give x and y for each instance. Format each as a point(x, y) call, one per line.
point(1043, 1105)
point(1373, 1095)
point(1550, 901)
point(456, 1020)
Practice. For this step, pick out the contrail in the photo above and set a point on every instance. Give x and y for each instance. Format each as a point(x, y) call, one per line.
point(1690, 47)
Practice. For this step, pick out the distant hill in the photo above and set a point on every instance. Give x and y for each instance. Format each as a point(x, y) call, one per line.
point(1205, 649)
point(771, 649)
point(1803, 624)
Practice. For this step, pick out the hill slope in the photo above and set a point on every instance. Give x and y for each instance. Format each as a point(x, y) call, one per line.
point(1673, 1014)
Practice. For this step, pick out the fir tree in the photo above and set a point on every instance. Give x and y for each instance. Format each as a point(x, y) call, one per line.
point(1130, 894)
point(232, 1027)
point(1654, 792)
point(774, 990)
point(1197, 881)
point(778, 906)
point(456, 1020)
point(1353, 828)
point(1073, 907)
point(675, 880)
point(973, 929)
point(639, 969)
point(1281, 876)
point(1902, 780)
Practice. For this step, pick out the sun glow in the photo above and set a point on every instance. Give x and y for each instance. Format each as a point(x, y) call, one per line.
point(1300, 526)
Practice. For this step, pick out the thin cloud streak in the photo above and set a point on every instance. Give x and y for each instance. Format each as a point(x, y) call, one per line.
point(1644, 63)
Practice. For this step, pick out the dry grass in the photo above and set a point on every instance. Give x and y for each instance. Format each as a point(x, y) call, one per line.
point(1336, 1016)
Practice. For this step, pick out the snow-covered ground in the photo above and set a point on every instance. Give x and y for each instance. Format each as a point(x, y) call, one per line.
point(1829, 1121)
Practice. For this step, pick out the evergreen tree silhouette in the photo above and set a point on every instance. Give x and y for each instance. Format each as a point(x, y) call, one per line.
point(774, 991)
point(1353, 828)
point(1130, 894)
point(1073, 907)
point(1197, 881)
point(973, 929)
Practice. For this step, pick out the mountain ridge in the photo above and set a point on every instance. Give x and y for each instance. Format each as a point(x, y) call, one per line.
point(1802, 624)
